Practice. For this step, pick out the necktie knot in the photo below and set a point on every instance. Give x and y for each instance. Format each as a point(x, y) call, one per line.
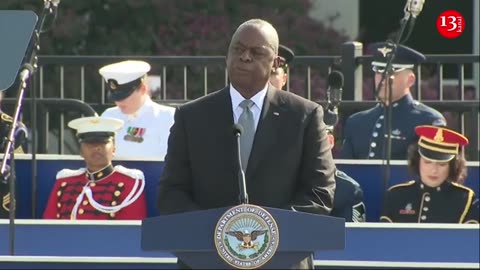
point(247, 103)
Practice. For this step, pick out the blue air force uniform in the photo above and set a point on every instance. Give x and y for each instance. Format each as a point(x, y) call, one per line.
point(365, 133)
point(348, 201)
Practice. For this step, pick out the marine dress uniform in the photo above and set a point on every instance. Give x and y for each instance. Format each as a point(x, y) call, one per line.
point(145, 133)
point(418, 203)
point(110, 193)
point(365, 135)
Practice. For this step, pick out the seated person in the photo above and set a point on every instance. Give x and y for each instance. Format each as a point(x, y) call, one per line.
point(438, 195)
point(147, 123)
point(279, 76)
point(348, 200)
point(99, 191)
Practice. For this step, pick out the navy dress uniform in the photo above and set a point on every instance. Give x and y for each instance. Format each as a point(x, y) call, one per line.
point(145, 133)
point(365, 133)
point(417, 202)
point(114, 192)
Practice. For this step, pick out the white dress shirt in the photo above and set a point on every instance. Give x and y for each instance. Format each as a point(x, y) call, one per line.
point(256, 109)
point(145, 133)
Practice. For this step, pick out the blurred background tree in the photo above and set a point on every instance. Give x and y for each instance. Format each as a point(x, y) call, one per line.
point(172, 28)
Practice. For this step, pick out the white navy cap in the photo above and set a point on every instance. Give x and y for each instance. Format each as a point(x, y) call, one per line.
point(95, 128)
point(124, 77)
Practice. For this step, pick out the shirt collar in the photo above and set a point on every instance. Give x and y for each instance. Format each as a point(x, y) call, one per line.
point(258, 98)
point(100, 174)
point(439, 188)
point(405, 100)
point(142, 108)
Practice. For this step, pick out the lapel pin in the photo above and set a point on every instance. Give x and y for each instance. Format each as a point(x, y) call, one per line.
point(276, 113)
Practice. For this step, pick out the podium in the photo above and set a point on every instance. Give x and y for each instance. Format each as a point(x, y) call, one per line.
point(191, 237)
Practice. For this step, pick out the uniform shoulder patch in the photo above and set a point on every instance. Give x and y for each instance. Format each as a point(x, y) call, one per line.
point(133, 173)
point(407, 184)
point(70, 173)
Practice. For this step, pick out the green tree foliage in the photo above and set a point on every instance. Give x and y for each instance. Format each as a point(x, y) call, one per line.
point(167, 27)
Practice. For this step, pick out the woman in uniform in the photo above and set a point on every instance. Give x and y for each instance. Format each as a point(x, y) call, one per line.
point(438, 195)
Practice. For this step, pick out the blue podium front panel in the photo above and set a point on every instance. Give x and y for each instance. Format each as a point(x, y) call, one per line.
point(118, 243)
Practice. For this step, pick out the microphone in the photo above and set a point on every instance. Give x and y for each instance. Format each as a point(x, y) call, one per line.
point(242, 184)
point(51, 3)
point(334, 97)
point(414, 7)
point(411, 10)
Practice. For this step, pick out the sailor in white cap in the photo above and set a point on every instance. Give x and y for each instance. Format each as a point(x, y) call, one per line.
point(147, 123)
point(99, 191)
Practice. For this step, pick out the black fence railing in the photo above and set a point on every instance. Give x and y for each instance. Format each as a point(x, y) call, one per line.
point(445, 82)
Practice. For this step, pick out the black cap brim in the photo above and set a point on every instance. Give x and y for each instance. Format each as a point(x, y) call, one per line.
point(434, 155)
point(95, 137)
point(285, 53)
point(118, 92)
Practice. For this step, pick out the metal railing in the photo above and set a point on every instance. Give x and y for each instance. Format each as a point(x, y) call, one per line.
point(185, 78)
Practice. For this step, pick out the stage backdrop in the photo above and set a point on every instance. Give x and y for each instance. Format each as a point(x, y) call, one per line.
point(368, 173)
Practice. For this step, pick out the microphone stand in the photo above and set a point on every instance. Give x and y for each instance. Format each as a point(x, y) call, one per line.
point(242, 184)
point(388, 71)
point(25, 73)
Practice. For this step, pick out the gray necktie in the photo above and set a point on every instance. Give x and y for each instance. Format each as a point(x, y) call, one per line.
point(246, 139)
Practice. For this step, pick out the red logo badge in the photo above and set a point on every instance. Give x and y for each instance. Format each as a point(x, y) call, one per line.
point(450, 24)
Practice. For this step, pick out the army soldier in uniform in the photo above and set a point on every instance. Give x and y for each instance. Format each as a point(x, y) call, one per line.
point(438, 196)
point(364, 132)
point(99, 191)
point(20, 137)
point(279, 75)
point(147, 124)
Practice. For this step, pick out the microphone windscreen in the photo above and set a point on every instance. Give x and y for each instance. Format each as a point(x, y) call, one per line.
point(335, 80)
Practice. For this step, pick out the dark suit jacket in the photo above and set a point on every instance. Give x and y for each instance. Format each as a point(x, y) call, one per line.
point(290, 166)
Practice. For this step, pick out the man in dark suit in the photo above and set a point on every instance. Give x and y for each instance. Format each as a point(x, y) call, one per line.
point(290, 165)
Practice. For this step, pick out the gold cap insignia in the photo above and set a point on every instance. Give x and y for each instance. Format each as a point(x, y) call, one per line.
point(384, 51)
point(439, 136)
point(112, 84)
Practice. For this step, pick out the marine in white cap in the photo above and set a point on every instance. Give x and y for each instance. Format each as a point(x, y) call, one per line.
point(98, 191)
point(147, 123)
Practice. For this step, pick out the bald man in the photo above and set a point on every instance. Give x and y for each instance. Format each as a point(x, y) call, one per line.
point(285, 149)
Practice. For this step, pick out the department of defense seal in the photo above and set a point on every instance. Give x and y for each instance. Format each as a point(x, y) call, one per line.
point(246, 236)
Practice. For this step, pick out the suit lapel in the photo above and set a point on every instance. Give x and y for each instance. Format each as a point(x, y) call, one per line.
point(222, 110)
point(267, 129)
